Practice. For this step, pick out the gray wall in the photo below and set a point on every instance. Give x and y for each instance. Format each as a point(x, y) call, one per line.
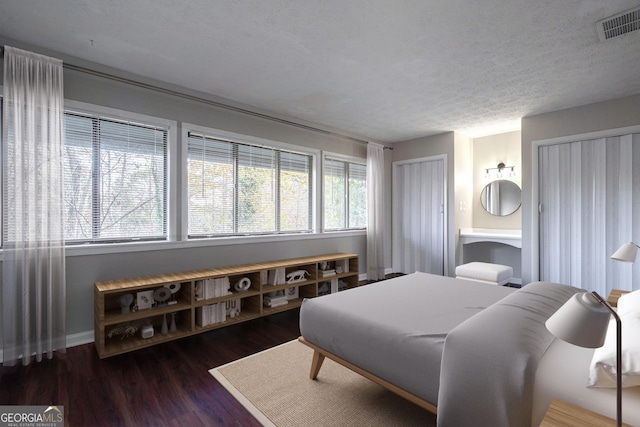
point(83, 269)
point(598, 117)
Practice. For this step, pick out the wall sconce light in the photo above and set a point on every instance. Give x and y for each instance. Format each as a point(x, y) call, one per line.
point(500, 171)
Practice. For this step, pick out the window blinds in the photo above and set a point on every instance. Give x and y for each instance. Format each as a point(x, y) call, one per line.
point(345, 204)
point(237, 188)
point(115, 179)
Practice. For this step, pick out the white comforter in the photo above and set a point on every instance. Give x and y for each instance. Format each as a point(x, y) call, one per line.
point(490, 360)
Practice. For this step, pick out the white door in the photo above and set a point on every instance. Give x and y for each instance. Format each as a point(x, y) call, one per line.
point(589, 195)
point(419, 215)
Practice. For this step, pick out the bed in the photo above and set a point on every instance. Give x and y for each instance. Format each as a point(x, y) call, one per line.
point(425, 338)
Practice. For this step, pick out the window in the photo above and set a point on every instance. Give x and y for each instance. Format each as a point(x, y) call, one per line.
point(115, 180)
point(345, 195)
point(239, 189)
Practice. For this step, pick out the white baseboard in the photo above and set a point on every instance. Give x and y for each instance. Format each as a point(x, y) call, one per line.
point(80, 338)
point(73, 340)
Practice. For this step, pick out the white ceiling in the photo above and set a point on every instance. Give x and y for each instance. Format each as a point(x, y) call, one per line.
point(387, 70)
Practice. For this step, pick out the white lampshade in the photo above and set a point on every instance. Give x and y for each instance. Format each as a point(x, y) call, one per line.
point(582, 321)
point(626, 252)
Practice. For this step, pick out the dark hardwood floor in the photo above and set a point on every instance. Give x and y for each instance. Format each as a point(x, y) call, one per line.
point(164, 385)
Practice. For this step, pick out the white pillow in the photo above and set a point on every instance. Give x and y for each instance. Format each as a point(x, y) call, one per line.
point(629, 303)
point(602, 371)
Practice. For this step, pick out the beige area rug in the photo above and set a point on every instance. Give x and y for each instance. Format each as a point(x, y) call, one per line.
point(274, 386)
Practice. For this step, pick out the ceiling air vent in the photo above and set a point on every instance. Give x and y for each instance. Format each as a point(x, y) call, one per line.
point(619, 24)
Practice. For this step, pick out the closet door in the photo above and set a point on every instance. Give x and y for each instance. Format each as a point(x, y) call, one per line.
point(589, 206)
point(418, 216)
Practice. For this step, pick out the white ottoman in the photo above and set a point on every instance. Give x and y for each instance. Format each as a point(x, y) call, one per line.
point(484, 272)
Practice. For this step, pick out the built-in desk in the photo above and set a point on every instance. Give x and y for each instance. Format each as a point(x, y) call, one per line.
point(506, 237)
point(491, 235)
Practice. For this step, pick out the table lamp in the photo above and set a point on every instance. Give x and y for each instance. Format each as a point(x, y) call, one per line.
point(626, 252)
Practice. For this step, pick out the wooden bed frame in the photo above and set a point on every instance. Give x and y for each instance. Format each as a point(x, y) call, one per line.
point(319, 355)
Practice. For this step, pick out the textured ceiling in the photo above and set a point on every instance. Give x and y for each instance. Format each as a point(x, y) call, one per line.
point(388, 70)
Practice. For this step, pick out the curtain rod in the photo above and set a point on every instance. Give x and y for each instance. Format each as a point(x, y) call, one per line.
point(204, 101)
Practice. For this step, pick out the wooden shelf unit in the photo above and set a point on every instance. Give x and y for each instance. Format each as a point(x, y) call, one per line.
point(108, 313)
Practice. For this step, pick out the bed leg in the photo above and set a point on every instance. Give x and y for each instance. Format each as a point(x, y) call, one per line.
point(316, 364)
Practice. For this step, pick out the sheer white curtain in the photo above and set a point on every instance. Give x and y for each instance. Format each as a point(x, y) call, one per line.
point(590, 205)
point(33, 287)
point(375, 211)
point(418, 217)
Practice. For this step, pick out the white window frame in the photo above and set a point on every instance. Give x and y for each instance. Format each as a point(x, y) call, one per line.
point(172, 161)
point(248, 139)
point(344, 158)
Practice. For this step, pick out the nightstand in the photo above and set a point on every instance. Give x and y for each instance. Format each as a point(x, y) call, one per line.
point(614, 296)
point(565, 414)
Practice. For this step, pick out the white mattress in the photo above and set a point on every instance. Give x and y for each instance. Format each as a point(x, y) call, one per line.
point(563, 373)
point(396, 328)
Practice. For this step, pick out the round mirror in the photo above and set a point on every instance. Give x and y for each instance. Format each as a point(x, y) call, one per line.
point(501, 197)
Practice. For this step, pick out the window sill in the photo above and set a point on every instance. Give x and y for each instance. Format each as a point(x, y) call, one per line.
point(112, 248)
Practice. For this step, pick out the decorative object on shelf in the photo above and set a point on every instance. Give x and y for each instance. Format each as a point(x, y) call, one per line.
point(146, 331)
point(324, 289)
point(292, 293)
point(144, 299)
point(338, 269)
point(583, 321)
point(162, 295)
point(165, 328)
point(173, 328)
point(325, 269)
point(242, 285)
point(125, 303)
point(233, 307)
point(124, 330)
point(297, 276)
point(342, 286)
point(174, 288)
point(199, 290)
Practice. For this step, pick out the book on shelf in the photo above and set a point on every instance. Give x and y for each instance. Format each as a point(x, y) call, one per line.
point(212, 288)
point(276, 276)
point(210, 314)
point(274, 301)
point(276, 304)
point(327, 273)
